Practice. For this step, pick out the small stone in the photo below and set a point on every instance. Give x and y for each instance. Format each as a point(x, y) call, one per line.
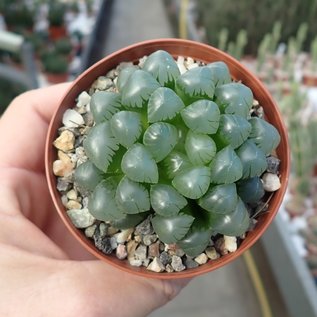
point(102, 83)
point(177, 263)
point(72, 194)
point(81, 218)
point(90, 231)
point(103, 244)
point(212, 253)
point(124, 235)
point(64, 200)
point(63, 166)
point(144, 227)
point(135, 262)
point(141, 252)
point(165, 258)
point(131, 246)
point(72, 119)
point(190, 263)
point(156, 266)
point(89, 119)
point(83, 99)
point(271, 182)
point(85, 202)
point(154, 250)
point(63, 184)
point(226, 244)
point(146, 262)
point(169, 268)
point(137, 238)
point(65, 141)
point(112, 231)
point(273, 164)
point(194, 65)
point(73, 204)
point(113, 243)
point(201, 258)
point(121, 252)
point(149, 239)
point(103, 229)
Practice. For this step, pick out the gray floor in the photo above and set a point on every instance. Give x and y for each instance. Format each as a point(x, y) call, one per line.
point(228, 291)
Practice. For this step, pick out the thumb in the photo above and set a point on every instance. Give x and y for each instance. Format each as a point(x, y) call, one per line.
point(121, 294)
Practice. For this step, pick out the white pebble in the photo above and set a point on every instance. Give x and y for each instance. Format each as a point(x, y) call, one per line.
point(156, 266)
point(201, 258)
point(83, 99)
point(81, 218)
point(124, 235)
point(271, 182)
point(230, 243)
point(194, 65)
point(72, 119)
point(121, 252)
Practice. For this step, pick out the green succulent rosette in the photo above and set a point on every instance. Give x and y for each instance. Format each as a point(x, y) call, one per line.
point(182, 148)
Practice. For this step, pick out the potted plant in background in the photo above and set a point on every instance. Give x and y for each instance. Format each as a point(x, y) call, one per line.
point(159, 165)
point(63, 46)
point(56, 15)
point(55, 67)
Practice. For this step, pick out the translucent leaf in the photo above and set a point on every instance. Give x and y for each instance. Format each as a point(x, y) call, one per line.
point(139, 165)
point(233, 130)
point(233, 224)
point(264, 135)
point(226, 167)
point(176, 162)
point(195, 241)
point(88, 176)
point(102, 204)
point(100, 145)
point(172, 229)
point(202, 116)
point(200, 148)
point(165, 200)
point(126, 126)
point(138, 89)
point(104, 104)
point(132, 197)
point(220, 199)
point(160, 139)
point(192, 182)
point(234, 98)
point(250, 190)
point(253, 159)
point(124, 75)
point(220, 73)
point(196, 83)
point(129, 221)
point(163, 67)
point(164, 104)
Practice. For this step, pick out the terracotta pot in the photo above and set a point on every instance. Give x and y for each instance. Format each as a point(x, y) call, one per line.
point(198, 51)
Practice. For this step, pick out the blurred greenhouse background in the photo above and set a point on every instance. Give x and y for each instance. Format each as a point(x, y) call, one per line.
point(48, 41)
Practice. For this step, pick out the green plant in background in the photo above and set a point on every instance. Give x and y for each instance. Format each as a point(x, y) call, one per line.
point(275, 37)
point(257, 19)
point(263, 51)
point(56, 13)
point(63, 46)
point(223, 39)
point(182, 148)
point(237, 49)
point(54, 63)
point(302, 152)
point(313, 54)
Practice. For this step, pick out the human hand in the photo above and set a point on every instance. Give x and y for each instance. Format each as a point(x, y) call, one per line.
point(43, 270)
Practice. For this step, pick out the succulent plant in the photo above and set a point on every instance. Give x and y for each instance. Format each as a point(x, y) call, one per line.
point(180, 148)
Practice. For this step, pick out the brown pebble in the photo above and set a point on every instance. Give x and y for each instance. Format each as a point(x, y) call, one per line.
point(154, 250)
point(65, 141)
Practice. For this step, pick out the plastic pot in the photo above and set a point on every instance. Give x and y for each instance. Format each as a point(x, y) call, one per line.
point(201, 52)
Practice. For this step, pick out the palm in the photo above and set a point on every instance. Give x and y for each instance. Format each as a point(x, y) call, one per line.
point(36, 250)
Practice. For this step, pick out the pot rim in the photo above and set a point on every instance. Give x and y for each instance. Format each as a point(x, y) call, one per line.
point(179, 48)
